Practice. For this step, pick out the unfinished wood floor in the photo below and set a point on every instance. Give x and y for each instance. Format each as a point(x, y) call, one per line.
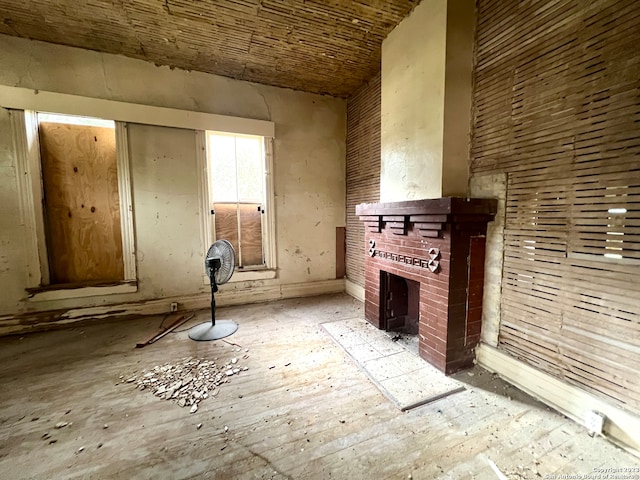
point(314, 415)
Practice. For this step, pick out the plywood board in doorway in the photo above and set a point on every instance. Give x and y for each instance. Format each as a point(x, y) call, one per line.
point(82, 206)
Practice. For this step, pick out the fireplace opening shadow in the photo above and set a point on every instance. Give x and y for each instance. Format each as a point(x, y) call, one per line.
point(401, 309)
point(393, 366)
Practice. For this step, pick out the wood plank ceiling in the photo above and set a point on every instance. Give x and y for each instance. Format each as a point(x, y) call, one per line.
point(321, 46)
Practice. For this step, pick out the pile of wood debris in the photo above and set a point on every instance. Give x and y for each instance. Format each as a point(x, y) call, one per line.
point(187, 382)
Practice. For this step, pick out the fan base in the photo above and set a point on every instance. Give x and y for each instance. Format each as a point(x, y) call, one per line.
point(206, 332)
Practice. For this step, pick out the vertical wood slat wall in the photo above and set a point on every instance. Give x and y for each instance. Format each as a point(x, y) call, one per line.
point(363, 169)
point(557, 107)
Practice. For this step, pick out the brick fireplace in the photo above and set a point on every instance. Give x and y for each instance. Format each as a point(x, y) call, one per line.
point(424, 273)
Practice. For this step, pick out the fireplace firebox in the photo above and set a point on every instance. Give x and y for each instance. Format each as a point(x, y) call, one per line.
point(424, 273)
point(400, 310)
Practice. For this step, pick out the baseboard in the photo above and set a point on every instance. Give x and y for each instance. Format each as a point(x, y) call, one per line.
point(231, 294)
point(621, 427)
point(355, 290)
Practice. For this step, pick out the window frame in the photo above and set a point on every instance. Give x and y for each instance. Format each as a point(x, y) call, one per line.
point(261, 272)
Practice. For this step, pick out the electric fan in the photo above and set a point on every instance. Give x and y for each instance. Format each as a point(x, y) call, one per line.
point(219, 262)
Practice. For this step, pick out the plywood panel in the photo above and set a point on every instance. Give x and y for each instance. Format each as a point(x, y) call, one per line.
point(251, 234)
point(82, 205)
point(227, 223)
point(248, 246)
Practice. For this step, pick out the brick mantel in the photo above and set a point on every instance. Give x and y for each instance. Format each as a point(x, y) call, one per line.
point(438, 243)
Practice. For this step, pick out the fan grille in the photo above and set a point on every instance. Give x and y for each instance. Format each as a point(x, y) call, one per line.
point(224, 251)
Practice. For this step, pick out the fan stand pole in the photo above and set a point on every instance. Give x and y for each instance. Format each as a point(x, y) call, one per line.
point(214, 288)
point(213, 331)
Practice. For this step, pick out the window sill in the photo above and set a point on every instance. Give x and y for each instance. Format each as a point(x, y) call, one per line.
point(53, 293)
point(247, 275)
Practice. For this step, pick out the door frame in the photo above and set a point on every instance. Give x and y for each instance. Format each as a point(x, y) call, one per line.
point(27, 147)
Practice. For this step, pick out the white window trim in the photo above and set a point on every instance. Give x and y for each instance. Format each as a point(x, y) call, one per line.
point(27, 148)
point(43, 101)
point(270, 227)
point(126, 202)
point(67, 293)
point(207, 227)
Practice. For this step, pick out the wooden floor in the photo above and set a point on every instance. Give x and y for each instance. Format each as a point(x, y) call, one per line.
point(313, 415)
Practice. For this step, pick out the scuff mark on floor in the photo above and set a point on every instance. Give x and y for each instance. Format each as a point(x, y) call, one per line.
point(268, 462)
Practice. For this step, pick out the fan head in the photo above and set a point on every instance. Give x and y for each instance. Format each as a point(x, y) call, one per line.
point(223, 251)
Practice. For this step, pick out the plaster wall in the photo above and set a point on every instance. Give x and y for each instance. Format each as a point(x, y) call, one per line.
point(413, 89)
point(166, 210)
point(427, 64)
point(309, 166)
point(457, 98)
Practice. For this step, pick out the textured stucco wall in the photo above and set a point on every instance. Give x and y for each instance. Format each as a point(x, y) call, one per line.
point(309, 166)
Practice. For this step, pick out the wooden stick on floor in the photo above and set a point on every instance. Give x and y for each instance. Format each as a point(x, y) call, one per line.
point(176, 320)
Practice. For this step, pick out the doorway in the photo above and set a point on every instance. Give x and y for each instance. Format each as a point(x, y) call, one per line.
point(81, 203)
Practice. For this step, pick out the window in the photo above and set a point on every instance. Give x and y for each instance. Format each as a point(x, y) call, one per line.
point(76, 200)
point(236, 186)
point(238, 197)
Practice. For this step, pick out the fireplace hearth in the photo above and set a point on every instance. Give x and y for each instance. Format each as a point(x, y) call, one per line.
point(424, 273)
